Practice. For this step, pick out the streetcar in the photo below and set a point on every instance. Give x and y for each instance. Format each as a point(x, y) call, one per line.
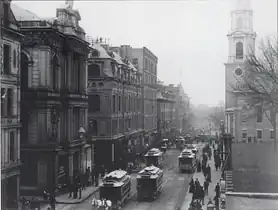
point(116, 187)
point(149, 183)
point(187, 161)
point(154, 157)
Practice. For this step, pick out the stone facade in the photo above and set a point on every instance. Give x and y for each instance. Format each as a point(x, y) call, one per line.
point(10, 103)
point(166, 116)
point(243, 124)
point(54, 99)
point(115, 111)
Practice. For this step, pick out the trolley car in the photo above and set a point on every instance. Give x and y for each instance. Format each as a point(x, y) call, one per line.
point(154, 157)
point(116, 187)
point(187, 161)
point(149, 183)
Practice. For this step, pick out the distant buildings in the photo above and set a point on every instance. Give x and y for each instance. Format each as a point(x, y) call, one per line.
point(166, 115)
point(115, 106)
point(10, 49)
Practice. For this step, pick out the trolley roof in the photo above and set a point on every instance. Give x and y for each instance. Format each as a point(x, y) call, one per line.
point(154, 152)
point(151, 172)
point(115, 178)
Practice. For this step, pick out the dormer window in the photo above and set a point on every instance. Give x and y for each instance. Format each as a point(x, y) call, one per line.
point(95, 53)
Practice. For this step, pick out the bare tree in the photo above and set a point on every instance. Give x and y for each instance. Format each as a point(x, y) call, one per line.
point(259, 86)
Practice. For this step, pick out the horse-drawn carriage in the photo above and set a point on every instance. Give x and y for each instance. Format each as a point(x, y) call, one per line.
point(114, 190)
point(149, 183)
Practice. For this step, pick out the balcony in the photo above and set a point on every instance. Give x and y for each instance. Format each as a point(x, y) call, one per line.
point(73, 96)
point(10, 168)
point(12, 121)
point(236, 58)
point(41, 94)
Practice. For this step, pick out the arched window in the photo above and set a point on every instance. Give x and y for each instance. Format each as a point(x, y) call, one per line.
point(93, 70)
point(55, 68)
point(239, 23)
point(239, 50)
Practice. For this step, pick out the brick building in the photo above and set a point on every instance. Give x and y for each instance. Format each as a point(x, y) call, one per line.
point(115, 111)
point(53, 98)
point(10, 102)
point(166, 116)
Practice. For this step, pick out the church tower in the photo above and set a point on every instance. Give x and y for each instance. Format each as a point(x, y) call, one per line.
point(241, 39)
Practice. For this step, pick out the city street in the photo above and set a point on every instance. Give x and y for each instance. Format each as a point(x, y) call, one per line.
point(173, 192)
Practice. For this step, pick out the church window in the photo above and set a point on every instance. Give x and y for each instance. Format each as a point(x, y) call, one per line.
point(239, 50)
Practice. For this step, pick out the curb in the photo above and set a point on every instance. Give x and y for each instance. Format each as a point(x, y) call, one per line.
point(79, 201)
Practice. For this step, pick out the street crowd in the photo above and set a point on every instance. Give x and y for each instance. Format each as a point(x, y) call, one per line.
point(200, 191)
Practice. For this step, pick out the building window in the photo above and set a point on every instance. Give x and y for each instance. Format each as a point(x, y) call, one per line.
point(10, 102)
point(7, 60)
point(272, 135)
point(259, 115)
point(114, 127)
point(94, 127)
point(244, 134)
point(259, 134)
point(93, 70)
point(114, 103)
point(12, 145)
point(3, 100)
point(55, 67)
point(94, 103)
point(77, 121)
point(120, 105)
point(14, 58)
point(239, 50)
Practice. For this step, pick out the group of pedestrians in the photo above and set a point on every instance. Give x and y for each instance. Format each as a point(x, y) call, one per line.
point(200, 191)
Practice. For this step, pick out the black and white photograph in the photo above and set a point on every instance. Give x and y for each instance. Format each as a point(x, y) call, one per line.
point(139, 104)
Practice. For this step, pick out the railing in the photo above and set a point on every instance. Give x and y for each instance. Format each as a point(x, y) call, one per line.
point(236, 58)
point(5, 121)
point(10, 164)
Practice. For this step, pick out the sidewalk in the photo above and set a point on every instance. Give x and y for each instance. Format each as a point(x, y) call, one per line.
point(215, 177)
point(63, 200)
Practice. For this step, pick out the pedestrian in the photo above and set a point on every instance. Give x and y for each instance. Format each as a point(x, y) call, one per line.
point(202, 195)
point(217, 190)
point(96, 176)
point(216, 202)
point(88, 172)
point(206, 186)
point(208, 173)
point(70, 188)
point(191, 186)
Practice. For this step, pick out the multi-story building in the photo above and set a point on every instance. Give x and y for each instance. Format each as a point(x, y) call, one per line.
point(242, 124)
point(182, 107)
point(146, 62)
point(166, 116)
point(115, 98)
point(53, 98)
point(10, 103)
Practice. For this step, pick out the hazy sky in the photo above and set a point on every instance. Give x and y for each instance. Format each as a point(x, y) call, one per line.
point(187, 36)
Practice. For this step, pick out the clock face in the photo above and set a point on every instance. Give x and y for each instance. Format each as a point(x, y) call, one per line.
point(238, 72)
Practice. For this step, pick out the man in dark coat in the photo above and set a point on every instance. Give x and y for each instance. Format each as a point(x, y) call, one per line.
point(208, 173)
point(206, 186)
point(191, 186)
point(217, 190)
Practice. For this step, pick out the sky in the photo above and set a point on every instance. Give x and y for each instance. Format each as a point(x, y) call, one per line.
point(188, 36)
